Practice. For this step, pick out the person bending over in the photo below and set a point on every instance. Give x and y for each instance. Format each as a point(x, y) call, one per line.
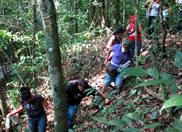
point(122, 58)
point(33, 104)
point(76, 90)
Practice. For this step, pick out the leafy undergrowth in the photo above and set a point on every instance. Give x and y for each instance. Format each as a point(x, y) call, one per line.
point(136, 108)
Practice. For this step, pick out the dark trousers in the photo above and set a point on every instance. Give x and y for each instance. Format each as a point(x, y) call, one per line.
point(151, 24)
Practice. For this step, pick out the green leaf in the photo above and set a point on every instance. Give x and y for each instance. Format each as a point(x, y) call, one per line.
point(117, 122)
point(153, 72)
point(134, 116)
point(154, 125)
point(173, 101)
point(151, 82)
point(170, 81)
point(132, 130)
point(178, 59)
point(172, 129)
point(134, 71)
point(99, 119)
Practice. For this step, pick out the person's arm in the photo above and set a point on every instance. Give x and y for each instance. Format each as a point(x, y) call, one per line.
point(47, 105)
point(128, 29)
point(106, 100)
point(20, 109)
point(110, 41)
point(108, 54)
point(150, 7)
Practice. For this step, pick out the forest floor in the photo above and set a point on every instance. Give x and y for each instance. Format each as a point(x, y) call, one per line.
point(140, 99)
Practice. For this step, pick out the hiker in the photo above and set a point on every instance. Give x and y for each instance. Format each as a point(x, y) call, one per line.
point(153, 13)
point(165, 14)
point(33, 104)
point(116, 38)
point(130, 31)
point(76, 90)
point(122, 58)
point(146, 5)
point(179, 20)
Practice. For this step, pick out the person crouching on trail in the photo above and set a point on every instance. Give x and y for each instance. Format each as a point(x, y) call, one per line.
point(76, 90)
point(122, 58)
point(33, 104)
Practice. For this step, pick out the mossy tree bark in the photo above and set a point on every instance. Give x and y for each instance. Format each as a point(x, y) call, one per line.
point(48, 13)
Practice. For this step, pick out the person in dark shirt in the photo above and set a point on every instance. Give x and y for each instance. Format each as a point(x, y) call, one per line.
point(33, 104)
point(76, 90)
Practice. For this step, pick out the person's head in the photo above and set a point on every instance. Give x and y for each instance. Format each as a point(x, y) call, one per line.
point(132, 19)
point(119, 32)
point(157, 1)
point(25, 93)
point(82, 85)
point(125, 46)
point(165, 6)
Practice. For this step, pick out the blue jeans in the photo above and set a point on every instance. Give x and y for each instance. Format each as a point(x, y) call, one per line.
point(132, 46)
point(72, 109)
point(118, 80)
point(180, 21)
point(38, 124)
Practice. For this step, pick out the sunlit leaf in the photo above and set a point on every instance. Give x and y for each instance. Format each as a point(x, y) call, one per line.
point(170, 81)
point(134, 116)
point(151, 82)
point(134, 71)
point(154, 125)
point(178, 59)
point(175, 100)
point(132, 130)
point(153, 72)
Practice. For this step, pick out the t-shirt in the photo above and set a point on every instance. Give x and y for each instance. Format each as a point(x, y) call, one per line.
point(118, 55)
point(74, 95)
point(155, 10)
point(164, 13)
point(34, 108)
point(132, 32)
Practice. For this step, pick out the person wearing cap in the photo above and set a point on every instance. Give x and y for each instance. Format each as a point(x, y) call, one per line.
point(121, 55)
point(116, 38)
point(130, 31)
point(76, 90)
point(34, 105)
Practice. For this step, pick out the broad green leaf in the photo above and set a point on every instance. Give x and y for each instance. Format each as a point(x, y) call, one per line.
point(173, 101)
point(117, 122)
point(134, 71)
point(99, 119)
point(172, 129)
point(154, 125)
point(134, 116)
point(178, 59)
point(153, 72)
point(170, 81)
point(126, 119)
point(151, 82)
point(132, 130)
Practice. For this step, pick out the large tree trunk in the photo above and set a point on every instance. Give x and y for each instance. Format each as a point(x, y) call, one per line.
point(48, 13)
point(116, 12)
point(99, 19)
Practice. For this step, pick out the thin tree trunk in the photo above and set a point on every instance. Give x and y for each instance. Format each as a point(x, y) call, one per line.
point(76, 11)
point(48, 14)
point(3, 105)
point(124, 13)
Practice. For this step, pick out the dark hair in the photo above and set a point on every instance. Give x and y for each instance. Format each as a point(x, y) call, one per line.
point(25, 93)
point(84, 84)
point(118, 31)
point(165, 4)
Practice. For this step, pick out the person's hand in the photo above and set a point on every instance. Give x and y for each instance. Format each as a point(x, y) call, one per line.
point(106, 101)
point(105, 62)
point(9, 115)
